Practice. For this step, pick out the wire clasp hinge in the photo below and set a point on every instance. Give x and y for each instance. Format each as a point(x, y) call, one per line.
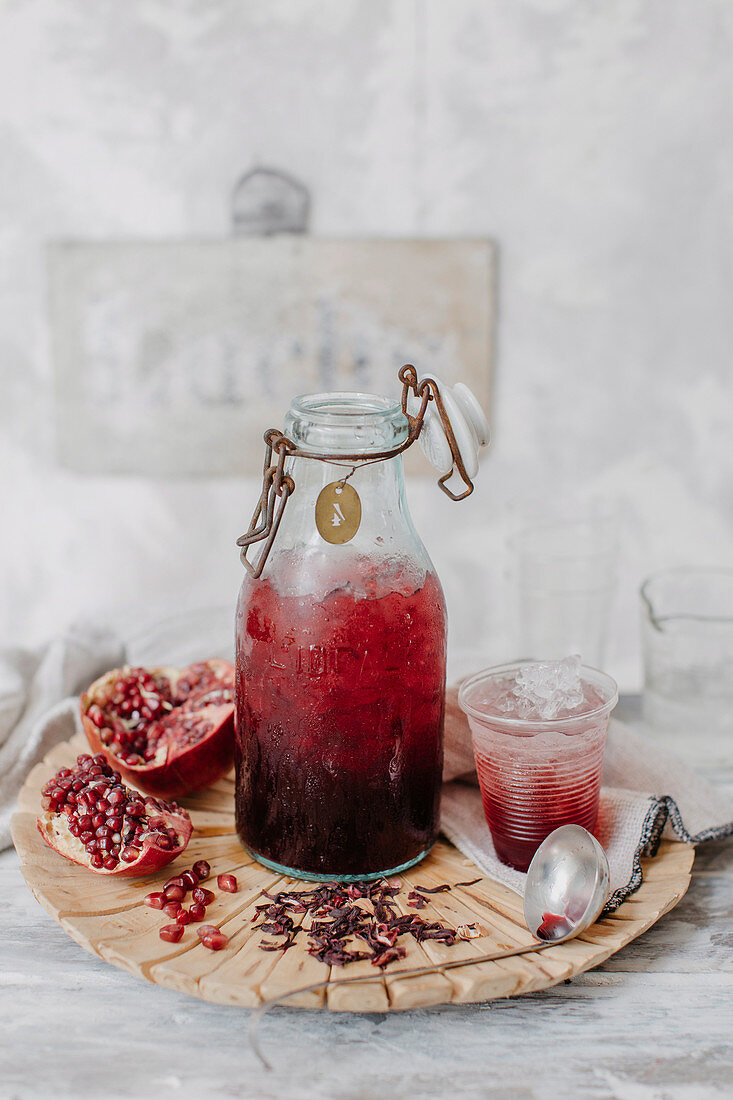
point(278, 486)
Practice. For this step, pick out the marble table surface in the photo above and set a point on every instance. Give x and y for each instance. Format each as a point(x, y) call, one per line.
point(655, 1022)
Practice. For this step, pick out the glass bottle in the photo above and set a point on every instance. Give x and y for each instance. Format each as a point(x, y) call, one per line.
point(341, 647)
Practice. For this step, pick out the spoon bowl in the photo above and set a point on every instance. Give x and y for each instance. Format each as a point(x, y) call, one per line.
point(567, 884)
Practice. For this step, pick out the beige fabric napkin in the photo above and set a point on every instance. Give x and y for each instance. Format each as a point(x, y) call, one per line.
point(646, 793)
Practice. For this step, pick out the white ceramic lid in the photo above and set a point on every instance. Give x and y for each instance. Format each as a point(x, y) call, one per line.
point(469, 424)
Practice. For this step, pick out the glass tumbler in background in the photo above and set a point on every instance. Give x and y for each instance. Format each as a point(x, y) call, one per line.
point(565, 576)
point(536, 774)
point(687, 644)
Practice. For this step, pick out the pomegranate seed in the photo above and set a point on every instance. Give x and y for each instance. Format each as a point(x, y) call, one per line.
point(96, 860)
point(177, 881)
point(110, 862)
point(189, 880)
point(205, 930)
point(155, 901)
point(129, 855)
point(171, 932)
point(203, 896)
point(202, 869)
point(228, 883)
point(174, 893)
point(183, 917)
point(197, 911)
point(215, 941)
point(172, 908)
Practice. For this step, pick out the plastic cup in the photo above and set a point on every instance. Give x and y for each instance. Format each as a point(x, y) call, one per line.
point(536, 774)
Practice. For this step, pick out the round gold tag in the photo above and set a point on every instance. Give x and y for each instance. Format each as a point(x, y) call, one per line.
point(338, 512)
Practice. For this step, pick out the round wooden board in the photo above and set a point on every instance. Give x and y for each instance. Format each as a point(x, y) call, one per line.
point(107, 916)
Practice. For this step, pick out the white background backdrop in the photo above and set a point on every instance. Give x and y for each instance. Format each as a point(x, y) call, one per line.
point(592, 141)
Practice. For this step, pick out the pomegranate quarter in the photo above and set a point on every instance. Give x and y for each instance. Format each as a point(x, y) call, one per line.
point(169, 731)
point(91, 818)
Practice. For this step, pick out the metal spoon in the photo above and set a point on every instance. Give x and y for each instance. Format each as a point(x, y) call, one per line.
point(567, 885)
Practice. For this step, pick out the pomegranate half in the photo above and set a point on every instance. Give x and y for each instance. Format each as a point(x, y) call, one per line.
point(169, 731)
point(91, 818)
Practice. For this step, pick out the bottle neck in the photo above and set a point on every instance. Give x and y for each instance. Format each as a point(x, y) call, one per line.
point(357, 425)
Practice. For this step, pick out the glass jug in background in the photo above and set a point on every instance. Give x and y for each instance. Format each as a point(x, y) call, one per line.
point(341, 649)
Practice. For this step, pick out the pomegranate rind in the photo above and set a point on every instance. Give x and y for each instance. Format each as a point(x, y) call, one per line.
point(53, 827)
point(175, 771)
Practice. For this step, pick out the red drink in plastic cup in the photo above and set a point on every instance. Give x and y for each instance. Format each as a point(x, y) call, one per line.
point(536, 773)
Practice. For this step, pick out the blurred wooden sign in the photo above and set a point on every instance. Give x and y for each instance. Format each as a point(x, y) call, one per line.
point(173, 358)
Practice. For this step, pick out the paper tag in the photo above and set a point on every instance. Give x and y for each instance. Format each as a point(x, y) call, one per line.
point(338, 512)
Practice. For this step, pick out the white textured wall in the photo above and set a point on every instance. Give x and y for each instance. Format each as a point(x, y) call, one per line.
point(592, 141)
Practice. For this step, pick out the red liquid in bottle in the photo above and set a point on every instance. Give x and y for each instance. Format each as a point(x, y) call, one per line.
point(340, 705)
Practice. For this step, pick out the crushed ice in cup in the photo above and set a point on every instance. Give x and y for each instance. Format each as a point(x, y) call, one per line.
point(542, 689)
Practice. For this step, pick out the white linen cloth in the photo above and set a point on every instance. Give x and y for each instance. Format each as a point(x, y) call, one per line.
point(645, 790)
point(38, 704)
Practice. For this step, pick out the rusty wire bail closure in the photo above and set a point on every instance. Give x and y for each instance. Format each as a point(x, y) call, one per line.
point(278, 486)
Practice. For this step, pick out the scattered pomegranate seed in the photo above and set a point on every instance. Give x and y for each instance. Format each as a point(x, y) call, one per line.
point(172, 908)
point(197, 911)
point(155, 901)
point(205, 930)
point(215, 941)
point(202, 869)
point(177, 881)
point(203, 896)
point(183, 917)
point(228, 883)
point(189, 879)
point(174, 893)
point(171, 932)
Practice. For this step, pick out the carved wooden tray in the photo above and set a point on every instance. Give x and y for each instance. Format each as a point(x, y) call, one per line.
point(107, 916)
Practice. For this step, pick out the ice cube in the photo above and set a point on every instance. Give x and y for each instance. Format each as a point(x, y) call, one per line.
point(544, 688)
